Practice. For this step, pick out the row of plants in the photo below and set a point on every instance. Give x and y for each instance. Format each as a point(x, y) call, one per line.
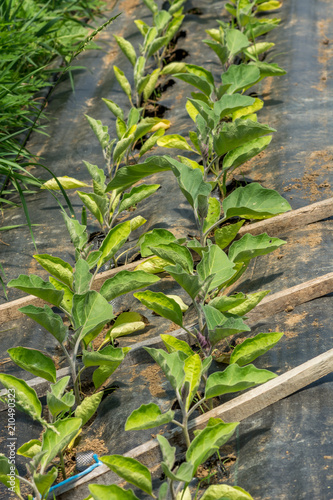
point(226, 135)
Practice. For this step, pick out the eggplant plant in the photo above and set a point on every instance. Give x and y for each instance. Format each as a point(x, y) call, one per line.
point(156, 39)
point(227, 131)
point(188, 375)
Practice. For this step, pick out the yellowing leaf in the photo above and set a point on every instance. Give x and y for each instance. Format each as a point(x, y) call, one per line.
point(161, 124)
point(65, 181)
point(248, 110)
point(192, 111)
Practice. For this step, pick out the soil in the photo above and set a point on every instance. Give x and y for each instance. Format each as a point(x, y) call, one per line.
point(153, 376)
point(216, 470)
point(317, 165)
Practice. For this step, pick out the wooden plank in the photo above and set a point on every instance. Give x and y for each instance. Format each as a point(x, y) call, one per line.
point(269, 306)
point(235, 410)
point(9, 311)
point(294, 296)
point(290, 220)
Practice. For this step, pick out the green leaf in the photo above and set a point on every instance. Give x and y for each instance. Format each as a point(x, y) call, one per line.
point(248, 110)
point(215, 262)
point(179, 301)
point(175, 254)
point(113, 492)
point(97, 174)
point(136, 195)
point(105, 370)
point(191, 183)
point(268, 69)
point(236, 41)
point(82, 276)
point(57, 401)
point(26, 398)
point(156, 45)
point(225, 492)
point(30, 449)
point(240, 76)
point(190, 163)
point(65, 181)
point(153, 238)
point(100, 130)
point(131, 470)
point(96, 204)
point(7, 475)
point(240, 155)
point(126, 324)
point(124, 282)
point(172, 68)
point(193, 373)
point(214, 211)
point(120, 128)
point(231, 326)
point(147, 417)
point(235, 378)
point(174, 25)
point(93, 258)
point(208, 442)
point(36, 286)
point(123, 82)
point(151, 83)
point(67, 300)
point(114, 108)
point(173, 344)
point(90, 311)
point(127, 176)
point(45, 481)
point(51, 321)
point(172, 365)
point(251, 301)
point(151, 141)
point(270, 5)
point(127, 49)
point(168, 451)
point(161, 305)
point(77, 231)
point(191, 284)
point(161, 19)
point(258, 48)
point(174, 141)
point(109, 356)
point(137, 222)
point(223, 303)
point(114, 240)
point(88, 407)
point(235, 134)
point(225, 235)
point(249, 247)
point(121, 148)
point(220, 51)
point(229, 104)
point(34, 362)
point(202, 72)
point(54, 443)
point(250, 349)
point(197, 81)
point(184, 473)
point(254, 202)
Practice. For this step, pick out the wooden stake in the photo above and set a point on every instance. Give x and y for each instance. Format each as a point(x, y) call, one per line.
point(290, 220)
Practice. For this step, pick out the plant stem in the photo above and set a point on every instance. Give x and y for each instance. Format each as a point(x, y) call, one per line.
point(32, 485)
point(215, 225)
point(62, 465)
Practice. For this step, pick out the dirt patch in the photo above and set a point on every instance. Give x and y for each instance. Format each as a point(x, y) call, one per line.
point(294, 319)
point(153, 376)
point(317, 165)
